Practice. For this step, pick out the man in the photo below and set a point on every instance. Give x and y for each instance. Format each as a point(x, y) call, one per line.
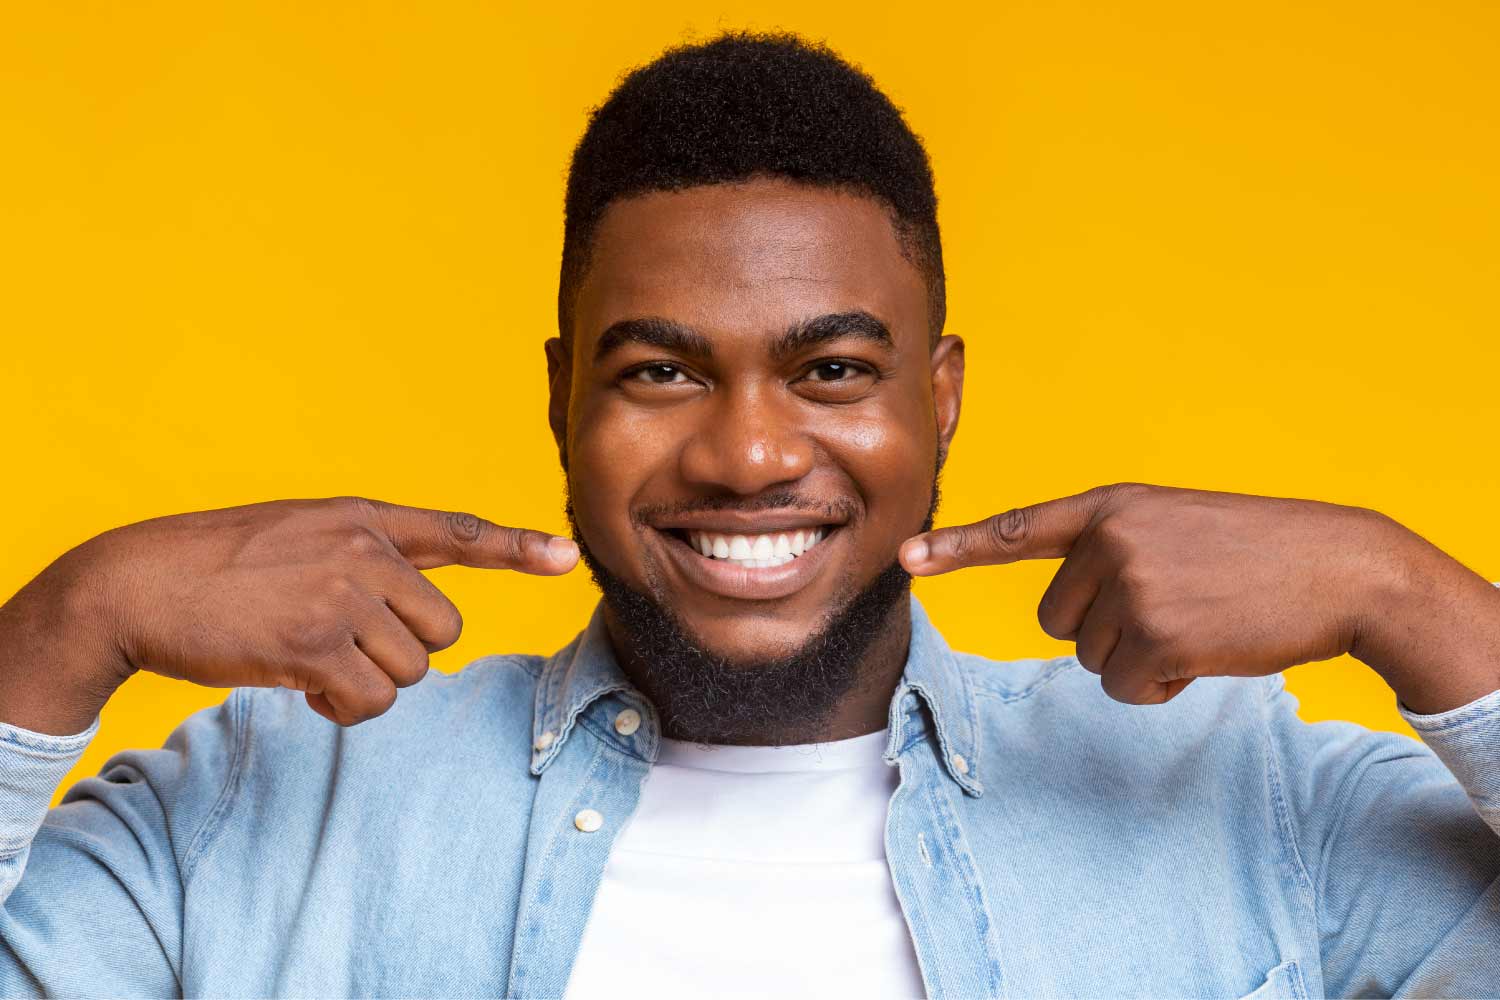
point(758, 769)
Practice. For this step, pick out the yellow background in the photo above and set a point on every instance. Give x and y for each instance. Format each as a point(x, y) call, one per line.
point(303, 249)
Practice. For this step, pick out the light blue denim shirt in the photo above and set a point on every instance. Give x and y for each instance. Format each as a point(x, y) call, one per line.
point(1044, 840)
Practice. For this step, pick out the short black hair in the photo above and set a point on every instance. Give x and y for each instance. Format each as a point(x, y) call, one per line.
point(746, 105)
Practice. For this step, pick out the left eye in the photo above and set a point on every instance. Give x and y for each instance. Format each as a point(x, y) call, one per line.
point(659, 374)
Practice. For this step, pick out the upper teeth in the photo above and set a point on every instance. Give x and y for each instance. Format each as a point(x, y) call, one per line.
point(756, 551)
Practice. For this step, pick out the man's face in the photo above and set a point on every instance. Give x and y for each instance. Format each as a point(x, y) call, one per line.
point(751, 373)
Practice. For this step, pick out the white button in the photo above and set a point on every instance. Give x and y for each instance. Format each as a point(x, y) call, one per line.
point(545, 740)
point(959, 764)
point(627, 722)
point(588, 820)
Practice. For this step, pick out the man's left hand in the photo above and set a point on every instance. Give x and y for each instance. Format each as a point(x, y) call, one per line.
point(1160, 585)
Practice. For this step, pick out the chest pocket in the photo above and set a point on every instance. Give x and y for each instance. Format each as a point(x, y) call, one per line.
point(1282, 983)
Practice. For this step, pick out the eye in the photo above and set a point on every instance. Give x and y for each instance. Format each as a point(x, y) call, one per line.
point(658, 374)
point(832, 371)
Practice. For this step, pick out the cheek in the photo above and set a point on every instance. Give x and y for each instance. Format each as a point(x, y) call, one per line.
point(612, 454)
point(890, 456)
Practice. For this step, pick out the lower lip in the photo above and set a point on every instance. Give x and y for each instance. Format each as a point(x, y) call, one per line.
point(747, 583)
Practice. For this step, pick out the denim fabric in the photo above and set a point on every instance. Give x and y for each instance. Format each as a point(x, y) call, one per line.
point(1044, 840)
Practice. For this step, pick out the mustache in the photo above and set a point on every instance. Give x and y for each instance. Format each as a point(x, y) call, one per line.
point(838, 509)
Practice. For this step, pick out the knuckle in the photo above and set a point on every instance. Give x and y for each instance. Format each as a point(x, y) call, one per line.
point(1009, 529)
point(1050, 618)
point(414, 669)
point(363, 543)
point(448, 627)
point(1126, 490)
point(462, 527)
point(1136, 578)
point(377, 693)
point(359, 508)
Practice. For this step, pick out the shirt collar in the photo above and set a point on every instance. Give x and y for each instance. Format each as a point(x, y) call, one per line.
point(585, 670)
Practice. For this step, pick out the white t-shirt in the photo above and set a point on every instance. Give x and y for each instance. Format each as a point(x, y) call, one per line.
point(754, 871)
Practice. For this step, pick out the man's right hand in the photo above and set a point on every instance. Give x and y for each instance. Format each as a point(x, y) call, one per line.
point(323, 596)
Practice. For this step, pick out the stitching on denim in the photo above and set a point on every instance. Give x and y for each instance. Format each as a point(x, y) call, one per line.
point(1056, 666)
point(971, 709)
point(240, 729)
point(614, 742)
point(1286, 829)
point(963, 863)
point(48, 750)
point(531, 903)
point(100, 852)
point(1484, 708)
point(528, 662)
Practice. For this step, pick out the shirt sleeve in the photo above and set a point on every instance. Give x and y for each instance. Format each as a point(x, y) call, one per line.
point(1467, 740)
point(1402, 871)
point(91, 891)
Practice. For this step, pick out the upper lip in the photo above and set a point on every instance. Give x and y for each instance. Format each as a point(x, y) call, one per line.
point(731, 522)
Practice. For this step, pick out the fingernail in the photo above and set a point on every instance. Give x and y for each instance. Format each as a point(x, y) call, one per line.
point(918, 551)
point(561, 549)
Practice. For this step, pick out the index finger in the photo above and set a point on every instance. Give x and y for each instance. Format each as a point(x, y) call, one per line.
point(1041, 531)
point(428, 538)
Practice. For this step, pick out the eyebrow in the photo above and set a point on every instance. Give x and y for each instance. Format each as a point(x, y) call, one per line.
point(670, 335)
point(831, 326)
point(653, 332)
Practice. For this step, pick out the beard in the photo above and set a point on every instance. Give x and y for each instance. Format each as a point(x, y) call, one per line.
point(705, 697)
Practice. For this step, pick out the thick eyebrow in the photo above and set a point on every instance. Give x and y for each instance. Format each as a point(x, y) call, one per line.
point(831, 326)
point(653, 332)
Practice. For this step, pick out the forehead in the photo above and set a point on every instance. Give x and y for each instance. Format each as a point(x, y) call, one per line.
point(750, 256)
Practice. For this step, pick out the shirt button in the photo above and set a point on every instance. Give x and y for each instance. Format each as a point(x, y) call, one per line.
point(959, 764)
point(545, 740)
point(588, 820)
point(627, 722)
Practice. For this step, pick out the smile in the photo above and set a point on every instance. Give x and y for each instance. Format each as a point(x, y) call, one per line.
point(756, 551)
point(747, 561)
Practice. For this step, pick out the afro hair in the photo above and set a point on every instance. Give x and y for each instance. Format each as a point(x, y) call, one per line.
point(746, 105)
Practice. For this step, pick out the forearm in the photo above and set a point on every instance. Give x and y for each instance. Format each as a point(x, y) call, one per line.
point(1431, 628)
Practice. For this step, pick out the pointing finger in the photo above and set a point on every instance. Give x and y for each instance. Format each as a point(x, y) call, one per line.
point(428, 538)
point(1042, 531)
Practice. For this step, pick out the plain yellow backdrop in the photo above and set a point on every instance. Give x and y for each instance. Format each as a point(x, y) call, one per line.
point(268, 250)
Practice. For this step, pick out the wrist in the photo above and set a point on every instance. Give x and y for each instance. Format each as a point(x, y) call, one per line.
point(1429, 626)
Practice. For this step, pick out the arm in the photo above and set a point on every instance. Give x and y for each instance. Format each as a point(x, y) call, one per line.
point(99, 910)
point(1404, 876)
point(324, 597)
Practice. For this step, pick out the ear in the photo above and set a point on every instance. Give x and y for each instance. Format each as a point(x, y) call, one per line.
point(947, 387)
point(559, 391)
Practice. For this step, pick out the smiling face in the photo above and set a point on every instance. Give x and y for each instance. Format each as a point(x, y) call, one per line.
point(751, 407)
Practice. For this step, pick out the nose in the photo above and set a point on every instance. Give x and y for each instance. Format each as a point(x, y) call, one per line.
point(749, 442)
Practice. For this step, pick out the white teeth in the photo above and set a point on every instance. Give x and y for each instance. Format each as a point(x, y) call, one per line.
point(755, 551)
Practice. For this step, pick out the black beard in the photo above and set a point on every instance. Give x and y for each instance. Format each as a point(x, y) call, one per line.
point(704, 697)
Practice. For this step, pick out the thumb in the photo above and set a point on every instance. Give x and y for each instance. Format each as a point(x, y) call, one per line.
point(1042, 531)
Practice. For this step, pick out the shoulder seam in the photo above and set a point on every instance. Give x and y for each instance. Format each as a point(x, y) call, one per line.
point(240, 704)
point(1283, 815)
point(1055, 666)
